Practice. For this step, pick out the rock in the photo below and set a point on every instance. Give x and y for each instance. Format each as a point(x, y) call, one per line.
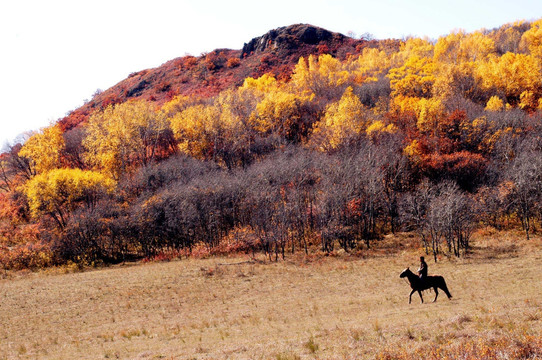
point(290, 37)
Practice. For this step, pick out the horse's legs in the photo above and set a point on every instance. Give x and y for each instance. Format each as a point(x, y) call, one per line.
point(410, 297)
point(421, 297)
point(436, 293)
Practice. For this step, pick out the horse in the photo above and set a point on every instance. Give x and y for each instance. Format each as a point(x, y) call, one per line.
point(419, 285)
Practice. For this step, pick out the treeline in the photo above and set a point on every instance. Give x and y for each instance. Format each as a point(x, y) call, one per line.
point(433, 137)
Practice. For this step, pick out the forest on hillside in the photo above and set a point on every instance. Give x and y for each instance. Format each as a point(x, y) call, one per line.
point(434, 137)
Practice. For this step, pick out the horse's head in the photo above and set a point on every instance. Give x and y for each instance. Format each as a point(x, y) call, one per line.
point(404, 273)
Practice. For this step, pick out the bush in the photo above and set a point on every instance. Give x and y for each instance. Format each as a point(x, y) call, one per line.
point(28, 256)
point(233, 63)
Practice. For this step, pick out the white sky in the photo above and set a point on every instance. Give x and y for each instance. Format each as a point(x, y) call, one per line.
point(54, 54)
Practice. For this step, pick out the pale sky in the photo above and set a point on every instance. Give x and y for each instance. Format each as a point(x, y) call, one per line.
point(57, 53)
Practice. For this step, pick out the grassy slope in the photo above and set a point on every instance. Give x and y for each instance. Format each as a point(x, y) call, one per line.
point(328, 308)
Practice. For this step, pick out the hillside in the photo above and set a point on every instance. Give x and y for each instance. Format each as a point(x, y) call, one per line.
point(206, 75)
point(302, 141)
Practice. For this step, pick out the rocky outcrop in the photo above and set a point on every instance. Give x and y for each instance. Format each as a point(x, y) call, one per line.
point(289, 38)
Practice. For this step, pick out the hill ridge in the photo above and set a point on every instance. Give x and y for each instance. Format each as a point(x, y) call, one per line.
point(276, 51)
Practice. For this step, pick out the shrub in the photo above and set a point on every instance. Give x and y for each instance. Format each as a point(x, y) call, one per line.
point(233, 63)
point(28, 256)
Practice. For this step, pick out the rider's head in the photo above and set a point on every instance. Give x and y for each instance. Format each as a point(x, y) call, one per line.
point(422, 258)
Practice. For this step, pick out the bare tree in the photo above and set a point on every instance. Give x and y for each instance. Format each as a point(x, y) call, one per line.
point(493, 204)
point(451, 217)
point(415, 207)
point(525, 172)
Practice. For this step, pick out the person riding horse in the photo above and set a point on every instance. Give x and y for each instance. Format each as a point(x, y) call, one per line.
point(435, 282)
point(422, 271)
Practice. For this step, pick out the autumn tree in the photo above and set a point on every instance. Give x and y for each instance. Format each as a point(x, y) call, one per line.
point(43, 150)
point(125, 136)
point(531, 40)
point(459, 47)
point(324, 76)
point(370, 66)
point(57, 192)
point(279, 111)
point(282, 113)
point(412, 46)
point(456, 56)
point(413, 79)
point(193, 129)
point(342, 120)
point(510, 75)
point(239, 141)
point(508, 37)
point(177, 104)
point(260, 86)
point(495, 103)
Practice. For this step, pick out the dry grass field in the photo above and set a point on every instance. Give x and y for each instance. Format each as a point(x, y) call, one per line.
point(338, 307)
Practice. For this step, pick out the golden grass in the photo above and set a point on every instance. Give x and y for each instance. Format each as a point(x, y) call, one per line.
point(303, 308)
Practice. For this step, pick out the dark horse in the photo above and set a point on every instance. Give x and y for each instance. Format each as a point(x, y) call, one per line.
point(418, 285)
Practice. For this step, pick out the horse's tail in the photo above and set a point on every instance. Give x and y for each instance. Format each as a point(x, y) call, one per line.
point(445, 288)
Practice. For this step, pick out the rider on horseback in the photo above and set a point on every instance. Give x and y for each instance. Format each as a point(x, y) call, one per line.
point(422, 271)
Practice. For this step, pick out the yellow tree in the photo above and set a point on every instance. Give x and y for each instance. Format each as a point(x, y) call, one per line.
point(43, 150)
point(415, 78)
point(429, 112)
point(224, 128)
point(508, 37)
point(412, 47)
point(378, 127)
point(175, 105)
point(252, 92)
point(235, 132)
point(510, 74)
point(459, 47)
point(531, 40)
point(125, 136)
point(342, 120)
point(324, 76)
point(369, 66)
point(527, 101)
point(495, 103)
point(274, 109)
point(456, 56)
point(194, 129)
point(280, 112)
point(476, 47)
point(261, 85)
point(59, 191)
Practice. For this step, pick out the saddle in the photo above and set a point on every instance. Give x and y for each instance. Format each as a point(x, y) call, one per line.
point(423, 282)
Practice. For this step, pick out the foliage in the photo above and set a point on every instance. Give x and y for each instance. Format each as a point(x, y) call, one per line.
point(333, 147)
point(342, 120)
point(323, 76)
point(43, 150)
point(27, 256)
point(511, 74)
point(125, 136)
point(58, 191)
